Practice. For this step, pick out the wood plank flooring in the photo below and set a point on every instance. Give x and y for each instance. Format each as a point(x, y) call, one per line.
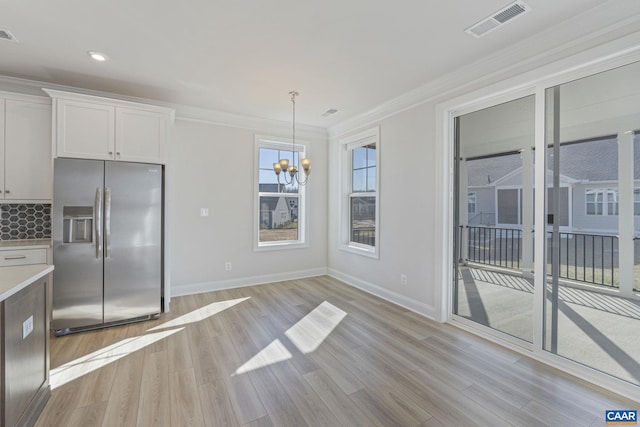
point(312, 352)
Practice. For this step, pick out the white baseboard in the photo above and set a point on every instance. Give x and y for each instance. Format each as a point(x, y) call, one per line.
point(219, 285)
point(401, 300)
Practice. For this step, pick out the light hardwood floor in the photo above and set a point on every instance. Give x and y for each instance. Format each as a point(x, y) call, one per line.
point(306, 352)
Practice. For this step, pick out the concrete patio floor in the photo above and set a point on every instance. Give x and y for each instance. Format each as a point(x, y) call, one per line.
point(595, 329)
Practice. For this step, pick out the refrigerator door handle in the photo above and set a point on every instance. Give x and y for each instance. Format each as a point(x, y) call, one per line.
point(97, 208)
point(107, 221)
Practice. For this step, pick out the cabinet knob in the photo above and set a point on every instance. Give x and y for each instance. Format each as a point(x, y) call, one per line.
point(7, 191)
point(110, 152)
point(117, 153)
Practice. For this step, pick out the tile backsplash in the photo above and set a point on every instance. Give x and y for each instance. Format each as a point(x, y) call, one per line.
point(25, 221)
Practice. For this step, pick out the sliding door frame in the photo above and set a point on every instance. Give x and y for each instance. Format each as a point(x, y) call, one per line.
point(534, 82)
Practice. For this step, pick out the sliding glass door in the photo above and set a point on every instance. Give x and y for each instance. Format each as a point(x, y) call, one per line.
point(592, 310)
point(584, 305)
point(494, 229)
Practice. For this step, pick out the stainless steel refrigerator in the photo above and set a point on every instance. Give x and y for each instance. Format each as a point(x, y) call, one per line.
point(107, 243)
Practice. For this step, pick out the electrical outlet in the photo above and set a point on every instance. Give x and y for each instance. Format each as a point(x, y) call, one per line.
point(27, 327)
point(227, 266)
point(204, 211)
point(403, 279)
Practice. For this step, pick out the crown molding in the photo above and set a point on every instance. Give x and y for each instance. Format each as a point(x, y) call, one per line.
point(256, 124)
point(182, 112)
point(510, 62)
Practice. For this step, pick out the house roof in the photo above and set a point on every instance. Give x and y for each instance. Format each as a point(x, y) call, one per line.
point(589, 161)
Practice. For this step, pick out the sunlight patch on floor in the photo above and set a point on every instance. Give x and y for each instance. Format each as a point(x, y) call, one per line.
point(76, 368)
point(200, 314)
point(307, 335)
point(310, 331)
point(273, 353)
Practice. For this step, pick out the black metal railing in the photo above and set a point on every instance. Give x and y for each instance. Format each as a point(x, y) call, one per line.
point(365, 236)
point(588, 258)
point(495, 246)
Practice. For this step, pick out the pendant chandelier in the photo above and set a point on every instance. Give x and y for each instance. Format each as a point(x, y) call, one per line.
point(290, 168)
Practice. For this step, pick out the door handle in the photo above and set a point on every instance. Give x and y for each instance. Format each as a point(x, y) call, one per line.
point(97, 208)
point(107, 221)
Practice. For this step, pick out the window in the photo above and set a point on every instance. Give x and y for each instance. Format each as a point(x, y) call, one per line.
point(361, 165)
point(509, 206)
point(471, 202)
point(595, 201)
point(280, 206)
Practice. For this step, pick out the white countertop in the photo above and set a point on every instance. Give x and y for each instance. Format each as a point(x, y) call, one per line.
point(14, 279)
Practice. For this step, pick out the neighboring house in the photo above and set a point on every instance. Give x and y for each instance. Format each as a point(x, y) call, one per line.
point(588, 188)
point(274, 212)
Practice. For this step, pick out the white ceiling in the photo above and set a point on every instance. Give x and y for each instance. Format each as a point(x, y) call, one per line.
point(244, 56)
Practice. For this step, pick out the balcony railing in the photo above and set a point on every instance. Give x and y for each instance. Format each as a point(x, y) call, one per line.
point(587, 258)
point(495, 246)
point(365, 236)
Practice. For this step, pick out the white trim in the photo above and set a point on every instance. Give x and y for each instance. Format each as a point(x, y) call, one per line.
point(347, 145)
point(274, 143)
point(393, 297)
point(241, 282)
point(81, 97)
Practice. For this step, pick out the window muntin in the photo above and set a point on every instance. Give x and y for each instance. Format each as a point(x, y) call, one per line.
point(280, 205)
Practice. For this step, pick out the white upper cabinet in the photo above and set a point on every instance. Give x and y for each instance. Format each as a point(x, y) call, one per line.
point(85, 130)
point(140, 135)
point(90, 127)
point(25, 148)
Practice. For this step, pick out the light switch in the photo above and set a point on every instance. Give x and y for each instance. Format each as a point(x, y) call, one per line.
point(204, 211)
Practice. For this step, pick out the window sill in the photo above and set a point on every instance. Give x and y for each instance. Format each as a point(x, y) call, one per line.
point(360, 250)
point(280, 246)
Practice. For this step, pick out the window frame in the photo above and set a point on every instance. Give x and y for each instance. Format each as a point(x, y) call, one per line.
point(347, 145)
point(281, 144)
point(472, 195)
point(604, 201)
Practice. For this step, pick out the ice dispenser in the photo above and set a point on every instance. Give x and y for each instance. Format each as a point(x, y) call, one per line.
point(77, 224)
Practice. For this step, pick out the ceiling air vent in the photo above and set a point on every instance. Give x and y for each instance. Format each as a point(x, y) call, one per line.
point(329, 112)
point(497, 19)
point(6, 35)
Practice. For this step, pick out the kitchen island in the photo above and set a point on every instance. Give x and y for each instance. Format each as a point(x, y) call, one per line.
point(24, 343)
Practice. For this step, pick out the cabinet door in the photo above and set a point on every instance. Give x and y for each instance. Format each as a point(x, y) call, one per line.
point(85, 130)
point(27, 150)
point(25, 364)
point(140, 135)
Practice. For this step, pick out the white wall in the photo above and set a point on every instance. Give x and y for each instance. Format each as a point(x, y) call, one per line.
point(406, 219)
point(211, 166)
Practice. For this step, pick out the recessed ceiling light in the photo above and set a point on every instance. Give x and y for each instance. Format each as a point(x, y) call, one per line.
point(100, 57)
